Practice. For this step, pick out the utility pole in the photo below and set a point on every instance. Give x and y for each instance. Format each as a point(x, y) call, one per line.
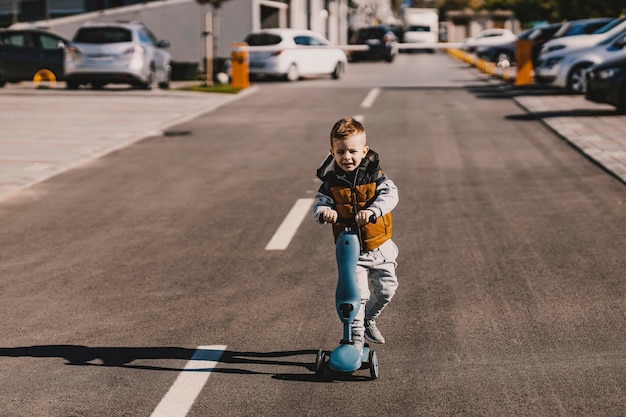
point(208, 47)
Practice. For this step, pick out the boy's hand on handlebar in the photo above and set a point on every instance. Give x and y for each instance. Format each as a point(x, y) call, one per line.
point(329, 216)
point(363, 217)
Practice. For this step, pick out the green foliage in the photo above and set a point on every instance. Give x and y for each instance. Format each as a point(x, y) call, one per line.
point(539, 10)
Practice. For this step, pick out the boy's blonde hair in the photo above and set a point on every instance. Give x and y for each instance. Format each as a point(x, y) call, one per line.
point(346, 128)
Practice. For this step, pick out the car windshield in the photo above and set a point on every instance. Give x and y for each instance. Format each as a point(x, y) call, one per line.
point(610, 25)
point(371, 33)
point(416, 28)
point(527, 34)
point(103, 35)
point(262, 39)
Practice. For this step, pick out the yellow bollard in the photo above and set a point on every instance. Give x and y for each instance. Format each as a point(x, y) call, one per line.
point(44, 75)
point(523, 57)
point(240, 77)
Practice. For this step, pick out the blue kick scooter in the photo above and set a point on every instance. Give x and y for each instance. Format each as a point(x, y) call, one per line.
point(347, 358)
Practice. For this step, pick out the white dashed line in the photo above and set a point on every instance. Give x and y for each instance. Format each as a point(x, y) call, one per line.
point(288, 228)
point(369, 99)
point(182, 394)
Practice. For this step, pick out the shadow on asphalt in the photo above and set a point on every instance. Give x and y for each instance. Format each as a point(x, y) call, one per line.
point(562, 113)
point(506, 90)
point(123, 357)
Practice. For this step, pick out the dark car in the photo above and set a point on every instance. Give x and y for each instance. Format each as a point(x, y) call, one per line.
point(381, 40)
point(507, 51)
point(24, 52)
point(606, 83)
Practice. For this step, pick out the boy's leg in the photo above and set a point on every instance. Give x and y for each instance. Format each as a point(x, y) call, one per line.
point(383, 282)
point(358, 327)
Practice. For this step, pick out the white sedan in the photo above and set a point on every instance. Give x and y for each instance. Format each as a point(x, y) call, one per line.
point(293, 53)
point(489, 37)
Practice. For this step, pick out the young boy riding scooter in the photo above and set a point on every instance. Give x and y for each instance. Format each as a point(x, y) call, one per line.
point(355, 187)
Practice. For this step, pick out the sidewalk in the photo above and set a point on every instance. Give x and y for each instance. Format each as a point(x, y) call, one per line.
point(46, 132)
point(594, 129)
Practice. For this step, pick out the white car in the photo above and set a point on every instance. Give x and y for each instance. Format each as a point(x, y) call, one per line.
point(583, 40)
point(117, 53)
point(489, 37)
point(566, 68)
point(293, 53)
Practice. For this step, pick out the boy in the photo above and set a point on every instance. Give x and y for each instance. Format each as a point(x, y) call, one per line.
point(354, 186)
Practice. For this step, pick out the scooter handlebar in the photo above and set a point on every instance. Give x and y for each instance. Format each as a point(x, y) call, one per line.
point(349, 220)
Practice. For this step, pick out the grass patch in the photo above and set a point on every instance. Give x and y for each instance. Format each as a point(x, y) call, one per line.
point(217, 88)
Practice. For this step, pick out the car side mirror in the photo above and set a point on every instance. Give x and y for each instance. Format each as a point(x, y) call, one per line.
point(163, 44)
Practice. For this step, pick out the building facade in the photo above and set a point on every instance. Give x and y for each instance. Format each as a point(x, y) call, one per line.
point(182, 22)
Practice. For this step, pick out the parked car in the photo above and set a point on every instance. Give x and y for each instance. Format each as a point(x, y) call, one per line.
point(24, 52)
point(566, 68)
point(501, 52)
point(292, 53)
point(117, 53)
point(606, 83)
point(381, 40)
point(581, 33)
point(539, 36)
point(488, 37)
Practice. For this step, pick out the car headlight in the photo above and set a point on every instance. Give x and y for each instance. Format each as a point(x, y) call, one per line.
point(608, 73)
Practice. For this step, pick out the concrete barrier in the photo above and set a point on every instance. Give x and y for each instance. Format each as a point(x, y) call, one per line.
point(505, 73)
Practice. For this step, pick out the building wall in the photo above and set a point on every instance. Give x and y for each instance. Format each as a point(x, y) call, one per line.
point(182, 22)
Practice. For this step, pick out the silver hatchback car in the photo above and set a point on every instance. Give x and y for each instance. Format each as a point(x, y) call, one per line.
point(117, 53)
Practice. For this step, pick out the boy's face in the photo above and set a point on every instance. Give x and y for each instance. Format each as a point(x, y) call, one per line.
point(348, 153)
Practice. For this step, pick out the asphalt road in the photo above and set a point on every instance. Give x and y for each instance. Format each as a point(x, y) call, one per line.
point(511, 299)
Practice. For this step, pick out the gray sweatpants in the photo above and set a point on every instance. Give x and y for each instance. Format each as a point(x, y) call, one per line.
point(377, 282)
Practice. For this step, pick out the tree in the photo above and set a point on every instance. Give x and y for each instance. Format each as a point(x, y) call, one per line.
point(539, 10)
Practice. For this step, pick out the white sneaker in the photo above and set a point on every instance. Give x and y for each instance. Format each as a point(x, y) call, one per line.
point(372, 333)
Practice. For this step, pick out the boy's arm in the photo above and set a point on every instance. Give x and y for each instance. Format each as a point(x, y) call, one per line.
point(386, 198)
point(322, 203)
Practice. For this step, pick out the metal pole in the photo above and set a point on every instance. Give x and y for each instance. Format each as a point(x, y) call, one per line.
point(15, 11)
point(208, 47)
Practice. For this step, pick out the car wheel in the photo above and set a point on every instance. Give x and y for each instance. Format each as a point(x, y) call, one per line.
point(71, 85)
point(148, 84)
point(2, 83)
point(292, 73)
point(165, 84)
point(338, 71)
point(576, 79)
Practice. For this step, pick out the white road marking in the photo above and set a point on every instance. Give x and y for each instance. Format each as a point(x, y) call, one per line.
point(359, 118)
point(369, 99)
point(182, 394)
point(288, 228)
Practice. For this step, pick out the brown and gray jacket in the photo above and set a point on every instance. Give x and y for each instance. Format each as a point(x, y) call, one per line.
point(365, 188)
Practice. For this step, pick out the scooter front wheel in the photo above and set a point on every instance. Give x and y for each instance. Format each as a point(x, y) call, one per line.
point(320, 362)
point(373, 361)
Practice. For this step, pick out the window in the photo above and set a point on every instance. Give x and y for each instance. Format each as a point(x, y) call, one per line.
point(103, 35)
point(16, 39)
point(49, 42)
point(262, 39)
